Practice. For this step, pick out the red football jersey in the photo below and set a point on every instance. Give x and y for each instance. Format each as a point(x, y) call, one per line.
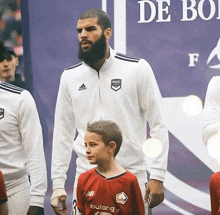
point(119, 195)
point(3, 194)
point(214, 186)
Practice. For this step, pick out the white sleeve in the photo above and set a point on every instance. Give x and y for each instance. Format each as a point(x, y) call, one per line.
point(151, 105)
point(63, 136)
point(211, 111)
point(32, 140)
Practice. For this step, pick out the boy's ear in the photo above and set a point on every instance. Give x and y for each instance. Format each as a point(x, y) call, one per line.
point(112, 146)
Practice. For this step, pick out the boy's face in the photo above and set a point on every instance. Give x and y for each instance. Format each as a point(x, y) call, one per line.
point(96, 150)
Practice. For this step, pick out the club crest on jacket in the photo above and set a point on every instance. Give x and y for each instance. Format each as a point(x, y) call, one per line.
point(116, 84)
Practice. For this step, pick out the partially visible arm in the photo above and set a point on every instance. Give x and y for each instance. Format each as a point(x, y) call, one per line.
point(211, 111)
point(152, 107)
point(63, 136)
point(32, 140)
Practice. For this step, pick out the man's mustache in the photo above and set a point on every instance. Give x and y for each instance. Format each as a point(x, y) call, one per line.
point(86, 41)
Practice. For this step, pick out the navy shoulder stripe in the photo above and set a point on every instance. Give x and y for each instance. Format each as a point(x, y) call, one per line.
point(72, 67)
point(10, 88)
point(126, 58)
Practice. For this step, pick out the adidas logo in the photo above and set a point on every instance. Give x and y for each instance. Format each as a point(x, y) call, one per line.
point(82, 87)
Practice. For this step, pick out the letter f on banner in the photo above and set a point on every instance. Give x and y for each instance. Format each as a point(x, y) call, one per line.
point(193, 57)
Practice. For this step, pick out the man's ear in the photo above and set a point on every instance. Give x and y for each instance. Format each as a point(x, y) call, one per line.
point(108, 33)
point(112, 146)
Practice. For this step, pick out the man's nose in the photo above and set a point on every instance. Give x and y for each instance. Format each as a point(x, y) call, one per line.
point(84, 34)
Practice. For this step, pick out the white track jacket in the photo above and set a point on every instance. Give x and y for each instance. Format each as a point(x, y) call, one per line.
point(212, 109)
point(21, 143)
point(124, 91)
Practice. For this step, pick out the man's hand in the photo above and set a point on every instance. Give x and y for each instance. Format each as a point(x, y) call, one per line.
point(34, 210)
point(154, 194)
point(59, 197)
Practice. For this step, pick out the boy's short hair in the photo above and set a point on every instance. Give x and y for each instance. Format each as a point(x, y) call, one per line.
point(103, 18)
point(109, 131)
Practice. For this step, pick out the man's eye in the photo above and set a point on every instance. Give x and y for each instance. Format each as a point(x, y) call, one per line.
point(90, 28)
point(79, 31)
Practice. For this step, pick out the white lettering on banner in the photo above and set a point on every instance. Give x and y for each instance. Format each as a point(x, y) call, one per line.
point(191, 9)
point(193, 57)
point(161, 11)
point(200, 10)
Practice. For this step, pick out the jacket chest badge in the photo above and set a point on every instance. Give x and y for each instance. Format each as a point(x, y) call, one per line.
point(116, 84)
point(2, 111)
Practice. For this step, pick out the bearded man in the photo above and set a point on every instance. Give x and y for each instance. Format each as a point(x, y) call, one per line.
point(110, 86)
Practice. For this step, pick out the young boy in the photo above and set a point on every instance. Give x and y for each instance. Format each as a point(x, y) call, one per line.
point(108, 188)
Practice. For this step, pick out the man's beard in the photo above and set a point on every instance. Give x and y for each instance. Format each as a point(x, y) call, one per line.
point(97, 51)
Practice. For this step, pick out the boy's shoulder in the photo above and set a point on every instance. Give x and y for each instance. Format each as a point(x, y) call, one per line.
point(130, 176)
point(88, 173)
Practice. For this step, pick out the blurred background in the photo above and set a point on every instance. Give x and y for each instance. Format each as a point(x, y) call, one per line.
point(11, 30)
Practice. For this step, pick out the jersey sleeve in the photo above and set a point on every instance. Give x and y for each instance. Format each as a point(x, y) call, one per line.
point(3, 194)
point(63, 136)
point(80, 195)
point(152, 107)
point(137, 201)
point(32, 140)
point(211, 111)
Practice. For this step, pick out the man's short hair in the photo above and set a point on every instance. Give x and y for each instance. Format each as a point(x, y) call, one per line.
point(103, 18)
point(109, 131)
point(6, 52)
